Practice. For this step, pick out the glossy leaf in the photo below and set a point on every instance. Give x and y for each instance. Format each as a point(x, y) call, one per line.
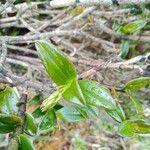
point(35, 100)
point(8, 101)
point(30, 124)
point(137, 84)
point(124, 49)
point(96, 94)
point(70, 114)
point(132, 127)
point(5, 128)
point(117, 114)
point(25, 143)
point(133, 26)
point(48, 120)
point(74, 93)
point(10, 119)
point(57, 64)
point(37, 113)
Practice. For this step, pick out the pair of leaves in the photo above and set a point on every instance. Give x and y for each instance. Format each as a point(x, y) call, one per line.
point(62, 69)
point(82, 92)
point(130, 128)
point(131, 27)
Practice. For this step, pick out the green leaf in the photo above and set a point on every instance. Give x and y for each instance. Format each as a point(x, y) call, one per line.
point(87, 111)
point(133, 26)
point(35, 100)
point(37, 113)
point(117, 114)
point(137, 84)
point(124, 49)
point(11, 120)
point(8, 101)
point(77, 11)
point(53, 99)
point(74, 93)
point(136, 100)
point(96, 94)
point(48, 120)
point(126, 128)
point(4, 128)
point(30, 124)
point(70, 114)
point(141, 127)
point(25, 143)
point(130, 128)
point(56, 63)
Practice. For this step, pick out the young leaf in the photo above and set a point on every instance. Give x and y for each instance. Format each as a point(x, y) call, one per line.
point(53, 99)
point(70, 114)
point(137, 84)
point(8, 101)
point(58, 66)
point(11, 120)
point(4, 128)
point(48, 120)
point(25, 143)
point(117, 114)
point(30, 124)
point(130, 128)
point(124, 49)
point(133, 26)
point(96, 94)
